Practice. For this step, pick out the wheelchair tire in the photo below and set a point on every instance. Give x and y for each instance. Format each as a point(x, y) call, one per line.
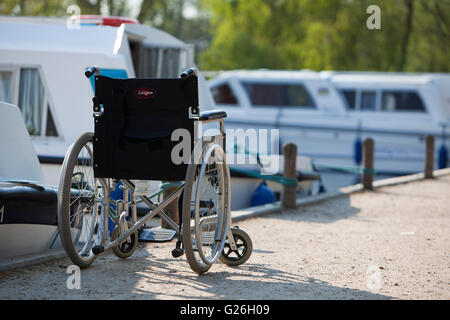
point(244, 248)
point(206, 208)
point(79, 218)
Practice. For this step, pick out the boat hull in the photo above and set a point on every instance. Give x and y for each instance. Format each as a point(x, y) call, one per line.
point(17, 240)
point(28, 219)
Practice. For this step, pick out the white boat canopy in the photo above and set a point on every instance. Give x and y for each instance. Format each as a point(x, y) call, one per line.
point(19, 160)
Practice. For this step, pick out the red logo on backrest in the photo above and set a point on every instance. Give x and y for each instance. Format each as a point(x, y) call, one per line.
point(145, 93)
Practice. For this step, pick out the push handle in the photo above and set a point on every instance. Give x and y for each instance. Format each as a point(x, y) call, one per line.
point(91, 70)
point(188, 73)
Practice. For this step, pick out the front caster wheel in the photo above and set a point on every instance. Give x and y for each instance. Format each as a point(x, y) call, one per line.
point(126, 248)
point(244, 248)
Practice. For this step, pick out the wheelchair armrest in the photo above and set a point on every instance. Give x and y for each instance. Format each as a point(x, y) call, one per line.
point(191, 72)
point(212, 115)
point(91, 70)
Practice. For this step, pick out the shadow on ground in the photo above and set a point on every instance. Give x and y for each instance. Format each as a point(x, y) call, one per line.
point(250, 281)
point(327, 212)
point(147, 277)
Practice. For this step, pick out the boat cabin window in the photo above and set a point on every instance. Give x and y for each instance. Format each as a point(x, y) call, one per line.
point(31, 99)
point(155, 62)
point(297, 96)
point(278, 95)
point(50, 131)
point(29, 94)
point(5, 86)
point(263, 94)
point(383, 100)
point(401, 101)
point(350, 98)
point(368, 100)
point(223, 94)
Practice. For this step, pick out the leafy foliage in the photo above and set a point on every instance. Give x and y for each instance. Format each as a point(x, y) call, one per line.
point(329, 34)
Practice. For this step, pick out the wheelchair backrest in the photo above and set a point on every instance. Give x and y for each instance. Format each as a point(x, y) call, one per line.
point(134, 121)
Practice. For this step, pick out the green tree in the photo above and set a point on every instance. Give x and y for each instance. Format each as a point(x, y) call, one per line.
point(329, 34)
point(168, 15)
point(34, 7)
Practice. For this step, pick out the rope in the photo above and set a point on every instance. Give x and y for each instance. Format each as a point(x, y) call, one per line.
point(290, 182)
point(237, 150)
point(165, 187)
point(54, 240)
point(355, 170)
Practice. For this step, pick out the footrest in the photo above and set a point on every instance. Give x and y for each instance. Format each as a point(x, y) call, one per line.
point(157, 235)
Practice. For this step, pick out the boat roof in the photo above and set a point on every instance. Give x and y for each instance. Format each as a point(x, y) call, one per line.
point(383, 77)
point(39, 34)
point(269, 74)
point(336, 76)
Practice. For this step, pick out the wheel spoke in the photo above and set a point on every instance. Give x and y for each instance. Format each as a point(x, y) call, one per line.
point(78, 212)
point(205, 222)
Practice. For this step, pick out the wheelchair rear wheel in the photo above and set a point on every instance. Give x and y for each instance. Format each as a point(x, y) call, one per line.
point(79, 205)
point(206, 208)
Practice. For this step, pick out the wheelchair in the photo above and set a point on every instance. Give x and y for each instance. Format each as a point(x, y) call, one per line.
point(134, 123)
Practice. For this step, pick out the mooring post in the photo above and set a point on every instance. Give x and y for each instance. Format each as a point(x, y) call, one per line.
point(368, 150)
point(289, 195)
point(429, 156)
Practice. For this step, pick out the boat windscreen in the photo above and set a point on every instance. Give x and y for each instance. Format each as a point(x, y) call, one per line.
point(158, 62)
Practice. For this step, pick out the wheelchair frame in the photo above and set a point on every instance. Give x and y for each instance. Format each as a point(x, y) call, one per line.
point(128, 234)
point(158, 209)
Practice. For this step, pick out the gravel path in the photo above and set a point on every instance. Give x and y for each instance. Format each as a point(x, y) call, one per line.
point(393, 243)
